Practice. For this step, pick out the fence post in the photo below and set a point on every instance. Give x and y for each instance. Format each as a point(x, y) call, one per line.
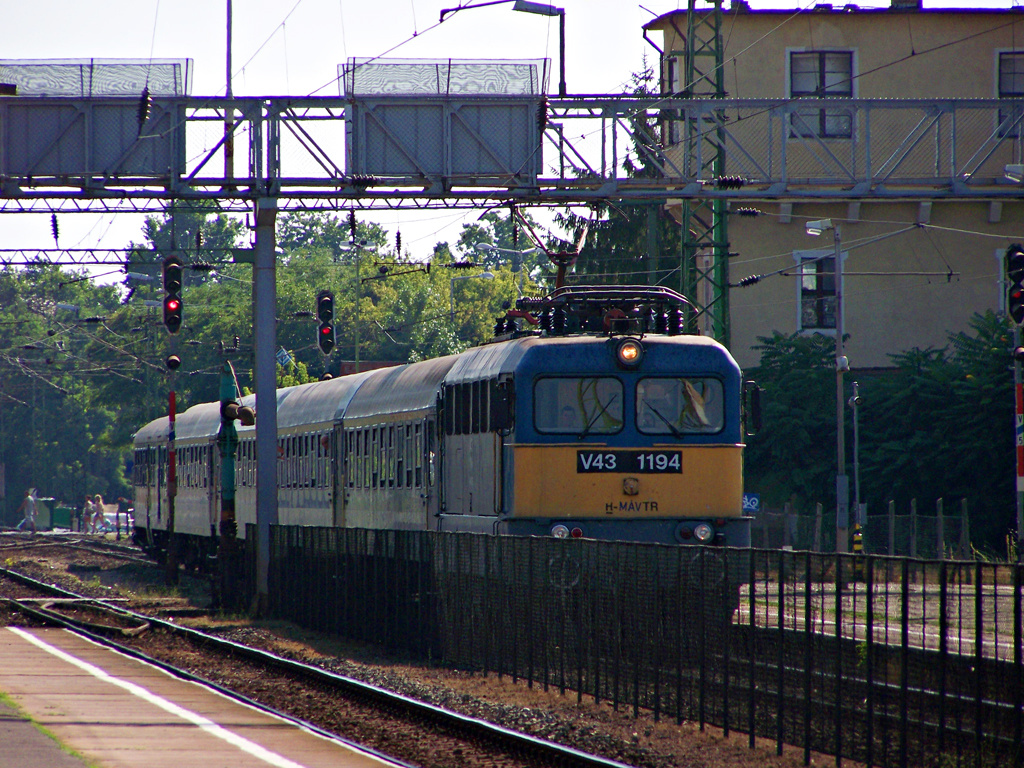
point(965, 531)
point(892, 528)
point(767, 539)
point(817, 527)
point(787, 513)
point(940, 533)
point(913, 527)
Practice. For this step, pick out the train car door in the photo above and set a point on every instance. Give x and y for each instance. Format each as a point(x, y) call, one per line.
point(213, 486)
point(428, 476)
point(453, 489)
point(340, 456)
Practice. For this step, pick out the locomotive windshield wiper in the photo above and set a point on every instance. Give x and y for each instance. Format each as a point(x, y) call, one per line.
point(675, 431)
point(598, 415)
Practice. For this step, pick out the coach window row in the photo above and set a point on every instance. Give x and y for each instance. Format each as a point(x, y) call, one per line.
point(467, 407)
point(193, 466)
point(303, 461)
point(245, 464)
point(149, 466)
point(387, 456)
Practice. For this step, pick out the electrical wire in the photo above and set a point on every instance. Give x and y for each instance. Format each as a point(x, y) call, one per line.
point(851, 79)
point(152, 44)
point(269, 38)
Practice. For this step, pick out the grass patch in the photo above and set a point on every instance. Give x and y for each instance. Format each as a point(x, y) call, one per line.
point(11, 704)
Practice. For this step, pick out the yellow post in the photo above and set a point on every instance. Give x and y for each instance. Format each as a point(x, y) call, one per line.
point(858, 549)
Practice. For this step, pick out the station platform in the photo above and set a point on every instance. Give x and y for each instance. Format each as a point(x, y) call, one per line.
point(66, 702)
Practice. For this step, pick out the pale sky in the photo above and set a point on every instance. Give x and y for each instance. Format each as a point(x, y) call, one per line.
point(293, 47)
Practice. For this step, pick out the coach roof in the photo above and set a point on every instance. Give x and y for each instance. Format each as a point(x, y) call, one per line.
point(321, 402)
point(404, 389)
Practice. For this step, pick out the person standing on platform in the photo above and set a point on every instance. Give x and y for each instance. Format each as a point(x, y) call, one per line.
point(28, 509)
point(87, 510)
point(97, 514)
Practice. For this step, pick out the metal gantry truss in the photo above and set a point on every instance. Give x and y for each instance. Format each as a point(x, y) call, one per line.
point(62, 155)
point(124, 257)
point(295, 153)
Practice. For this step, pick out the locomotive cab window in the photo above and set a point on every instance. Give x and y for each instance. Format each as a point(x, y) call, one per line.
point(680, 406)
point(578, 406)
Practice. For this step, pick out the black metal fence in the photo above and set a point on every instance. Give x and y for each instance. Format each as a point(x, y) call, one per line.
point(939, 533)
point(892, 662)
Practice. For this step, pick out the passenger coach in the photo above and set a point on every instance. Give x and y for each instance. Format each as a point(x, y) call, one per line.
point(599, 419)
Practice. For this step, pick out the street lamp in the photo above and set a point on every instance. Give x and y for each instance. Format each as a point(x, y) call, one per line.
point(549, 10)
point(517, 258)
point(842, 365)
point(529, 7)
point(484, 275)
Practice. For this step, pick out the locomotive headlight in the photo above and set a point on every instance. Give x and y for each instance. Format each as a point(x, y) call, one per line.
point(703, 532)
point(560, 531)
point(630, 353)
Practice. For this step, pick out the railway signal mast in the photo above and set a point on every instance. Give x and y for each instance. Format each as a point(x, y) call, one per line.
point(1015, 308)
point(172, 280)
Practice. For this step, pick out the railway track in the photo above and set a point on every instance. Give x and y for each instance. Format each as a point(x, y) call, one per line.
point(126, 552)
point(758, 681)
point(402, 727)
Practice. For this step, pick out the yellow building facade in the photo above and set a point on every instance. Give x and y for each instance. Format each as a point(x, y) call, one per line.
point(907, 289)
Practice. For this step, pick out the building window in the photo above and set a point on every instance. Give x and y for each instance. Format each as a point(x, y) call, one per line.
point(822, 75)
point(672, 124)
point(817, 290)
point(1011, 86)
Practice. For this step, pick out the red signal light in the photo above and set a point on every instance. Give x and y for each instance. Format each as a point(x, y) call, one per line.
point(172, 273)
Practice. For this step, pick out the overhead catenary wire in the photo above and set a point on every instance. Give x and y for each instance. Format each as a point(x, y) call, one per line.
point(825, 254)
point(803, 11)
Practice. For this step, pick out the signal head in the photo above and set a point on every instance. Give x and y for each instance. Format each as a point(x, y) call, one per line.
point(172, 313)
point(1015, 263)
point(173, 362)
point(172, 278)
point(325, 338)
point(172, 274)
point(325, 306)
point(1015, 276)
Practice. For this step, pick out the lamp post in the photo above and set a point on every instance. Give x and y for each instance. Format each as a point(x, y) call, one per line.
point(484, 275)
point(530, 7)
point(550, 10)
point(854, 403)
point(842, 365)
point(517, 258)
point(356, 247)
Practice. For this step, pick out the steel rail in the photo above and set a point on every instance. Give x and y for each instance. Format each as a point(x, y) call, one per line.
point(478, 730)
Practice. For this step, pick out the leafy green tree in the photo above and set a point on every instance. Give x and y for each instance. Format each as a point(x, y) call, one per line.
point(789, 460)
point(59, 351)
point(937, 425)
point(510, 232)
point(631, 243)
point(941, 426)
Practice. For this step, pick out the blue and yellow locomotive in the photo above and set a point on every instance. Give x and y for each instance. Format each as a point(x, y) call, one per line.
point(599, 418)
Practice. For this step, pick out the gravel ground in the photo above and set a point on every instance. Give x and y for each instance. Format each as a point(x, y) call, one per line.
point(583, 725)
